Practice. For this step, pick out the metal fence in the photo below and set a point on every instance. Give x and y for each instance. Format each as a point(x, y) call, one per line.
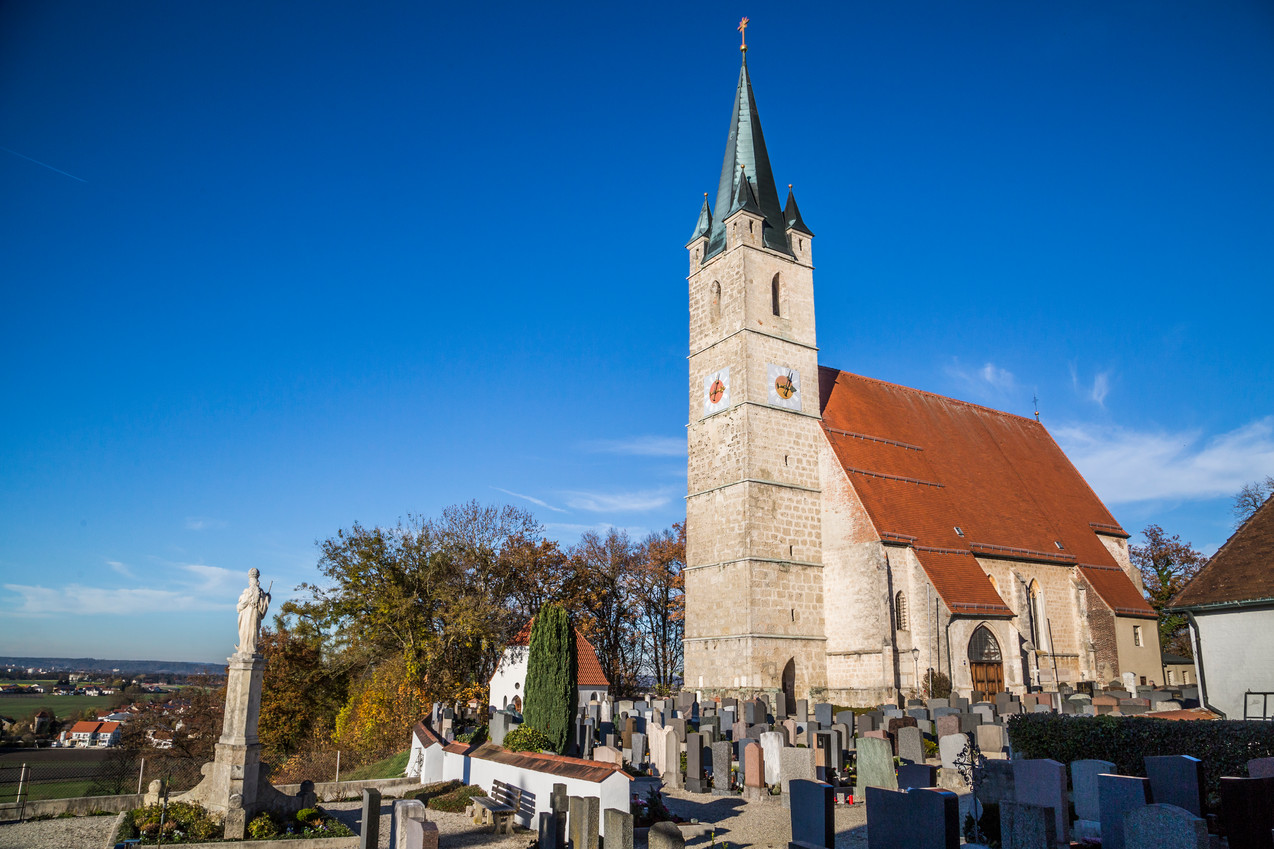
point(1258, 705)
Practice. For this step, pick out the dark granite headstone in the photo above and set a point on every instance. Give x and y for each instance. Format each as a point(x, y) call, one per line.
point(914, 819)
point(823, 713)
point(813, 820)
point(548, 831)
point(1176, 780)
point(369, 830)
point(917, 775)
point(1247, 806)
point(1118, 795)
point(695, 782)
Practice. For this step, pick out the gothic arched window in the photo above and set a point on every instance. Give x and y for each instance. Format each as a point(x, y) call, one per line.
point(716, 300)
point(900, 611)
point(774, 295)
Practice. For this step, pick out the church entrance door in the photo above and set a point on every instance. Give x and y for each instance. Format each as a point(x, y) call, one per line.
point(789, 687)
point(986, 664)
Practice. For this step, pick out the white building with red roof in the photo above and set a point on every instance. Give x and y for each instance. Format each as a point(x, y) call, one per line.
point(508, 685)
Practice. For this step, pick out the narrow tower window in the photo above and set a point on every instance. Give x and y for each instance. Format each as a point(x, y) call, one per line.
point(900, 610)
point(716, 300)
point(774, 294)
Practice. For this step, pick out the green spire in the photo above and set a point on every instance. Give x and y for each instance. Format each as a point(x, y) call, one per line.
point(704, 225)
point(745, 155)
point(792, 214)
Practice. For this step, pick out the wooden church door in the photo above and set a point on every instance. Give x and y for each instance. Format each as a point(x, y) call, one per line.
point(986, 665)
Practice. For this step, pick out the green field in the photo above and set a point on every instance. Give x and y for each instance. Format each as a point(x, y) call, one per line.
point(22, 707)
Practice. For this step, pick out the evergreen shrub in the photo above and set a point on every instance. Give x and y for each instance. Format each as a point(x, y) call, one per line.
point(552, 695)
point(524, 738)
point(1224, 746)
point(457, 800)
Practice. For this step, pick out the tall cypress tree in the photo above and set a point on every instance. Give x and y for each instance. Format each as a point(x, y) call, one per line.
point(551, 691)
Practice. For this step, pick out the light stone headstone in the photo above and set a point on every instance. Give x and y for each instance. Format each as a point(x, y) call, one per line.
point(671, 773)
point(991, 739)
point(408, 824)
point(772, 743)
point(1162, 826)
point(585, 822)
point(665, 835)
point(638, 748)
point(875, 765)
point(911, 745)
point(949, 748)
point(618, 827)
point(795, 763)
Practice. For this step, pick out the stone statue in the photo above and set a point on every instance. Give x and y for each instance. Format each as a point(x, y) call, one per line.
point(253, 602)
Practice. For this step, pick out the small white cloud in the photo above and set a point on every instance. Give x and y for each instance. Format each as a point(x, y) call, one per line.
point(121, 568)
point(213, 578)
point(1125, 465)
point(987, 381)
point(617, 502)
point(203, 523)
point(640, 446)
point(997, 377)
point(530, 498)
point(1101, 388)
point(81, 600)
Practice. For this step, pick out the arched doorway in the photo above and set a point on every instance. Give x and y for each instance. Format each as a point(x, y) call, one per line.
point(986, 664)
point(789, 687)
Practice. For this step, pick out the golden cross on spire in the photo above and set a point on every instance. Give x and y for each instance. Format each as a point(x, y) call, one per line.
point(743, 35)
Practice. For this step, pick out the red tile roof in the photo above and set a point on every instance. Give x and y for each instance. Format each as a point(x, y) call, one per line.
point(1242, 570)
point(589, 669)
point(562, 765)
point(84, 727)
point(924, 465)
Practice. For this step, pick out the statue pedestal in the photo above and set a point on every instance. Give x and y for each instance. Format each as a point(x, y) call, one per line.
point(235, 783)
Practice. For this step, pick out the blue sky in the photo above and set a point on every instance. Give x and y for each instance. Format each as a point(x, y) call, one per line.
point(269, 269)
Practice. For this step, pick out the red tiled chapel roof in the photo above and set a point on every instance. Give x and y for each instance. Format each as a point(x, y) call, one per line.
point(589, 668)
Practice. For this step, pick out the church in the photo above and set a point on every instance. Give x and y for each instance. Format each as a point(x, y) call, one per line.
point(846, 537)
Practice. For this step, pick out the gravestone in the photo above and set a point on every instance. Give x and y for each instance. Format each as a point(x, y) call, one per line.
point(772, 743)
point(917, 775)
point(1247, 806)
point(916, 819)
point(679, 726)
point(1084, 792)
point(986, 712)
point(1162, 826)
point(1176, 780)
point(813, 820)
point(369, 829)
point(949, 748)
point(559, 805)
point(672, 760)
point(608, 755)
point(695, 765)
point(864, 723)
point(618, 827)
point(638, 747)
point(722, 755)
point(969, 723)
point(789, 730)
point(823, 713)
point(911, 745)
point(547, 831)
point(409, 829)
point(795, 764)
point(1119, 795)
point(665, 835)
point(934, 704)
point(1042, 782)
point(875, 767)
point(947, 725)
point(1026, 826)
point(753, 763)
point(802, 710)
point(658, 750)
point(846, 717)
point(991, 740)
point(739, 731)
point(1260, 768)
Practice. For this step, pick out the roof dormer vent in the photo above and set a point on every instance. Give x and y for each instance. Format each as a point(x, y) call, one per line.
point(1059, 545)
point(959, 531)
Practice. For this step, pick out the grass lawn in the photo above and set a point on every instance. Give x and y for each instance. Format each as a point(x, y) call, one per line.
point(22, 707)
point(391, 767)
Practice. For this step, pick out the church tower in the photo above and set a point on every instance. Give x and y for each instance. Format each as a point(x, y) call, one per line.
point(754, 583)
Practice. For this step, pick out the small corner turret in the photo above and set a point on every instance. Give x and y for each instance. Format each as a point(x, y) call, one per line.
point(698, 244)
point(799, 237)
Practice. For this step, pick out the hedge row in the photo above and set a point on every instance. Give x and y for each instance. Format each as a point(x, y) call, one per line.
point(1225, 747)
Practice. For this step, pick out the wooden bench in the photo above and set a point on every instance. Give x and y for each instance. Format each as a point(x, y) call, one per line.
point(499, 809)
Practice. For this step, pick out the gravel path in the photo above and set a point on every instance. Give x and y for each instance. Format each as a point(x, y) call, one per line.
point(69, 833)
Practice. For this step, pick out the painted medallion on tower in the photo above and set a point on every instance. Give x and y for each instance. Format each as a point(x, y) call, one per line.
point(716, 391)
point(785, 387)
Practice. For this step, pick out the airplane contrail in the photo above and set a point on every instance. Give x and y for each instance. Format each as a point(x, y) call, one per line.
point(45, 164)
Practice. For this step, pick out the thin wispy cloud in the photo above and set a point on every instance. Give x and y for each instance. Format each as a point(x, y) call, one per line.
point(640, 446)
point(1095, 391)
point(988, 380)
point(121, 568)
point(43, 164)
point(531, 498)
point(92, 601)
point(213, 578)
point(203, 523)
point(1125, 465)
point(618, 502)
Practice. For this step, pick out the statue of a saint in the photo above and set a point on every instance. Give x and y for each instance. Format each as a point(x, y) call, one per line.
point(253, 602)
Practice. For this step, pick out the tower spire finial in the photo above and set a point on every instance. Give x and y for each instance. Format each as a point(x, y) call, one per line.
point(743, 34)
